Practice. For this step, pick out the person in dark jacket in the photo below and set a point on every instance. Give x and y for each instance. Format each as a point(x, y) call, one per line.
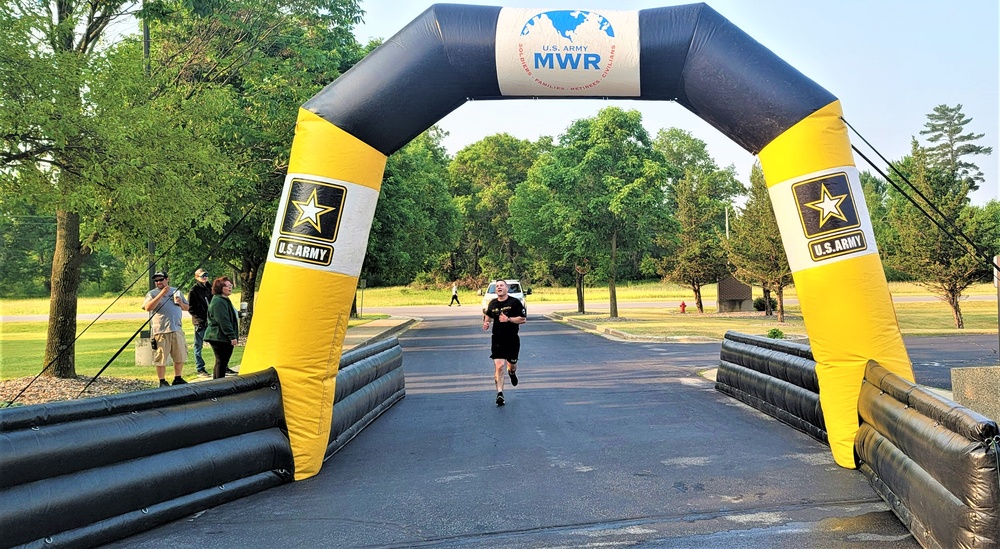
point(223, 328)
point(199, 297)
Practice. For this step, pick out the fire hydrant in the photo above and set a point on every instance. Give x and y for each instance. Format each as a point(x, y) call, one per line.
point(683, 306)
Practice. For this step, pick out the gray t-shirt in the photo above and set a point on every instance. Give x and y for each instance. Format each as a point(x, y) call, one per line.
point(168, 318)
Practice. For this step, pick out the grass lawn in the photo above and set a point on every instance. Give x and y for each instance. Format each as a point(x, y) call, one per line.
point(919, 318)
point(22, 349)
point(399, 296)
point(22, 344)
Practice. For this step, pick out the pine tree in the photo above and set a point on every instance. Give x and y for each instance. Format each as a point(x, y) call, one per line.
point(944, 129)
point(754, 249)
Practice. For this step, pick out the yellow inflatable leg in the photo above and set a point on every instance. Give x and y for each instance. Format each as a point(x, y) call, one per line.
point(317, 248)
point(826, 231)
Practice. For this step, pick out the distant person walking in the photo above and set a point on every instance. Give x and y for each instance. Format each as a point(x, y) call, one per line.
point(508, 312)
point(454, 295)
point(165, 305)
point(223, 327)
point(198, 298)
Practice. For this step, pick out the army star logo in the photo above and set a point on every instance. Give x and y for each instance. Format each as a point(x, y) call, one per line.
point(826, 205)
point(313, 210)
point(829, 206)
point(310, 212)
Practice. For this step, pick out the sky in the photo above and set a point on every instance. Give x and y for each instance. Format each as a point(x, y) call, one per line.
point(890, 62)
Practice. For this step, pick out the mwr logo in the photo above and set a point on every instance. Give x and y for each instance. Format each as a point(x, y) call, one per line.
point(826, 205)
point(567, 50)
point(313, 210)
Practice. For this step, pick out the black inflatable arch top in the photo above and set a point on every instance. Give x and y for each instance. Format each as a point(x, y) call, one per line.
point(689, 54)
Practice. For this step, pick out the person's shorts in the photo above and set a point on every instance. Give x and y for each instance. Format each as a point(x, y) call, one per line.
point(170, 344)
point(506, 348)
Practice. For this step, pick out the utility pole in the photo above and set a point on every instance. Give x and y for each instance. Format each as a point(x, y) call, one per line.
point(150, 244)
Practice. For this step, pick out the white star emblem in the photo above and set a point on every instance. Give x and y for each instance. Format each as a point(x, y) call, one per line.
point(310, 211)
point(828, 206)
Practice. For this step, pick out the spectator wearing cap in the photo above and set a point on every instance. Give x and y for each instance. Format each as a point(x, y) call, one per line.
point(199, 297)
point(165, 306)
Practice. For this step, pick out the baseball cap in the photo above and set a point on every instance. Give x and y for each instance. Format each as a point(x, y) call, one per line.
point(160, 274)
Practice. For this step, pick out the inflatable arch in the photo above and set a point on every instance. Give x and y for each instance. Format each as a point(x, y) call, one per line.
point(452, 54)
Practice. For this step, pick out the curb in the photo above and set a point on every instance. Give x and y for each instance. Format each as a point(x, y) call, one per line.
point(625, 336)
point(395, 330)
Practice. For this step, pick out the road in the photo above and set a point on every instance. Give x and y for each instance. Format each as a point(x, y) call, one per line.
point(932, 357)
point(602, 444)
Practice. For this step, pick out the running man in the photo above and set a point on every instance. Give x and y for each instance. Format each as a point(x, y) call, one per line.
point(509, 315)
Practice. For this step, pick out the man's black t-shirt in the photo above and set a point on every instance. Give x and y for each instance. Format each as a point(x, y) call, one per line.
point(511, 307)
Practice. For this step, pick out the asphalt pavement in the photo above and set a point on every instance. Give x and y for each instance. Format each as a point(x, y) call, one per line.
point(603, 443)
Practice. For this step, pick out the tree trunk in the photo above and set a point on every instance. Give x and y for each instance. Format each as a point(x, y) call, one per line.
point(781, 302)
point(697, 297)
point(956, 308)
point(768, 311)
point(60, 350)
point(579, 290)
point(248, 287)
point(612, 295)
point(354, 305)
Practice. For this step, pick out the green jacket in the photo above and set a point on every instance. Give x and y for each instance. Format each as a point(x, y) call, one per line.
point(222, 323)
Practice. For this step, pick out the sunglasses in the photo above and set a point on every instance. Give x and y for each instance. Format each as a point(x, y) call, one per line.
point(159, 279)
point(203, 275)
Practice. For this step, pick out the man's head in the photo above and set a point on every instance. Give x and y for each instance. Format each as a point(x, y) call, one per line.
point(161, 279)
point(501, 286)
point(201, 276)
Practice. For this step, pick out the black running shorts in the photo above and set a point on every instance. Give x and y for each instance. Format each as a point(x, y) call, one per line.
point(506, 348)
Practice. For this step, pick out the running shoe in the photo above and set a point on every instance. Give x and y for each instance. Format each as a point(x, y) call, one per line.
point(163, 383)
point(178, 380)
point(500, 398)
point(513, 377)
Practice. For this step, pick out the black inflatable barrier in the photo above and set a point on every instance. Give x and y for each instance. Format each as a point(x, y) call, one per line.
point(932, 460)
point(370, 380)
point(81, 473)
point(774, 376)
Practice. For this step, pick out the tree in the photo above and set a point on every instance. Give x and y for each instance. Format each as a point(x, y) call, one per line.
point(924, 251)
point(87, 139)
point(754, 249)
point(483, 178)
point(544, 223)
point(695, 255)
point(26, 243)
point(698, 192)
point(944, 129)
point(415, 221)
point(271, 56)
point(606, 204)
point(944, 176)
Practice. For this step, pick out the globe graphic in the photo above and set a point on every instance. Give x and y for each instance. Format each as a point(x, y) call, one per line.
point(567, 23)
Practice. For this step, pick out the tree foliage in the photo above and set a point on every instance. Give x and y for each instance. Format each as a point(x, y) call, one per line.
point(483, 178)
point(270, 56)
point(949, 146)
point(698, 192)
point(416, 224)
point(754, 249)
point(924, 251)
point(604, 183)
point(83, 139)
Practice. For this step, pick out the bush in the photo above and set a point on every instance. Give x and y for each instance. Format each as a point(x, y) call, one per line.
point(775, 333)
point(758, 304)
